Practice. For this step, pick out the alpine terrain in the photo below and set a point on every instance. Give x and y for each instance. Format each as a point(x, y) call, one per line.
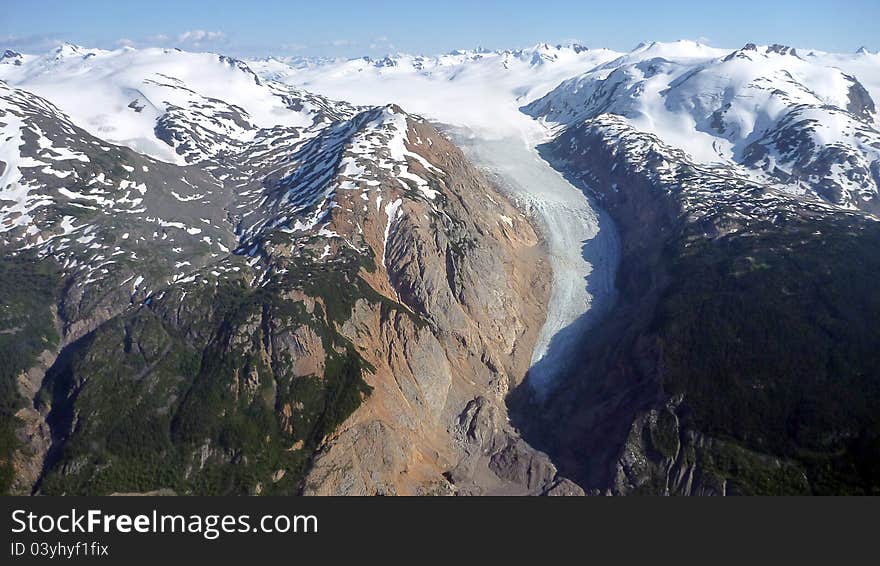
point(546, 271)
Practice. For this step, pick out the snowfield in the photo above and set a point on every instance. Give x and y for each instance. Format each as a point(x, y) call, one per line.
point(120, 95)
point(804, 120)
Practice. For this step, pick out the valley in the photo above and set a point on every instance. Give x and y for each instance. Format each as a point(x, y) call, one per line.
point(542, 271)
point(475, 99)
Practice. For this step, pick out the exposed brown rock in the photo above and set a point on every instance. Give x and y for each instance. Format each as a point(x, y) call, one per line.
point(33, 434)
point(436, 422)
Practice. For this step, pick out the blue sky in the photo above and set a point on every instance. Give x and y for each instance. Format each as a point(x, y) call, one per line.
point(349, 28)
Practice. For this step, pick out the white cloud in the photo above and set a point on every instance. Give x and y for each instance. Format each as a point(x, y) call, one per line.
point(192, 38)
point(382, 42)
point(30, 43)
point(197, 36)
point(293, 46)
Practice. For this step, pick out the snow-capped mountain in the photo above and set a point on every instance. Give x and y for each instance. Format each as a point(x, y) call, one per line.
point(103, 166)
point(809, 126)
point(804, 119)
point(744, 188)
point(476, 97)
point(172, 105)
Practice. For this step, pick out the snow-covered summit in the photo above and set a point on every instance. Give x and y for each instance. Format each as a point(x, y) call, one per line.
point(808, 122)
point(129, 96)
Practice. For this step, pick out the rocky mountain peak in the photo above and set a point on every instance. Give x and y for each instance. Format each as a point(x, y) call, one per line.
point(11, 57)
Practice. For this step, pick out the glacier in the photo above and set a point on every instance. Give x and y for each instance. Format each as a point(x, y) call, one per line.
point(475, 98)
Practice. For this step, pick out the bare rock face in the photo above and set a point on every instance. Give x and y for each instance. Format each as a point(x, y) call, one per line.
point(436, 421)
point(498, 461)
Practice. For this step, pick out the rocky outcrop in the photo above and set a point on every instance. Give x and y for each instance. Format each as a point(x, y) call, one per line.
point(663, 457)
point(437, 421)
point(33, 433)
